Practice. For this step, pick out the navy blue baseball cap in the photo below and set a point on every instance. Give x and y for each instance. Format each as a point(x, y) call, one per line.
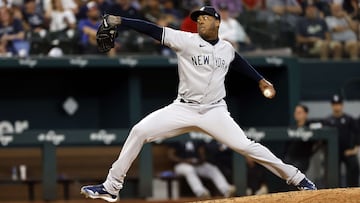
point(206, 10)
point(337, 99)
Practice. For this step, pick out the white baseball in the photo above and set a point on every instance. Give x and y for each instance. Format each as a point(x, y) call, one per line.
point(267, 93)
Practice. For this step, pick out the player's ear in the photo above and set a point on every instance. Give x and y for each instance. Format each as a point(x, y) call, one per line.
point(217, 23)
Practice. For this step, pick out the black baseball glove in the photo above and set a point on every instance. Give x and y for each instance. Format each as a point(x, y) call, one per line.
point(105, 36)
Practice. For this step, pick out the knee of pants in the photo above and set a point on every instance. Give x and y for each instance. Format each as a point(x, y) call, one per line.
point(138, 131)
point(184, 169)
point(242, 148)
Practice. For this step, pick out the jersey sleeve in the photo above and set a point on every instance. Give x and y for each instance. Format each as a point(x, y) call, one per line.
point(142, 26)
point(175, 39)
point(243, 66)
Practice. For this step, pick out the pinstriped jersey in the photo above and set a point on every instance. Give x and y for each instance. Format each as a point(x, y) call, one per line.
point(202, 66)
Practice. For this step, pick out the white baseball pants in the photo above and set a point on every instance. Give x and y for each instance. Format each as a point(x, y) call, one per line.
point(178, 118)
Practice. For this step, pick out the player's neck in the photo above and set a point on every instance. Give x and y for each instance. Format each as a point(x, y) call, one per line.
point(212, 41)
point(301, 123)
point(338, 114)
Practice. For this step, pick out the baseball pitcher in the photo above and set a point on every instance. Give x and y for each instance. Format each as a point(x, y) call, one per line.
point(203, 62)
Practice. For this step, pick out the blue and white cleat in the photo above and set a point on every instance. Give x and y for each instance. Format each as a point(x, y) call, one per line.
point(306, 184)
point(98, 192)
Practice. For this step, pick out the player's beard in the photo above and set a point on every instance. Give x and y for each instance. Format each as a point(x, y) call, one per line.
point(208, 32)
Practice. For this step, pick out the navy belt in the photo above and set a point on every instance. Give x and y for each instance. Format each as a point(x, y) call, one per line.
point(188, 102)
point(194, 102)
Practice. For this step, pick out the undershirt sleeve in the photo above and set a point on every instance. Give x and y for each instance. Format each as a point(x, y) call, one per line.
point(242, 65)
point(144, 27)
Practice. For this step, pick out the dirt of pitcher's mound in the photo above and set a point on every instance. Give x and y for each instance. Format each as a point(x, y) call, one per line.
point(339, 195)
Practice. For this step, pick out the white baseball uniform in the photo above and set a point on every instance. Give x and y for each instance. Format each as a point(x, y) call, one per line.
point(199, 106)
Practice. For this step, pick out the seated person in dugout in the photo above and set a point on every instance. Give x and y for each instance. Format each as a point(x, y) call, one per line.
point(190, 162)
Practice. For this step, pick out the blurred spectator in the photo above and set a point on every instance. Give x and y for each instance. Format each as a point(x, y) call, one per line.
point(252, 20)
point(48, 5)
point(187, 24)
point(62, 26)
point(36, 27)
point(81, 14)
point(189, 5)
point(170, 17)
point(169, 8)
point(287, 11)
point(104, 7)
point(124, 8)
point(10, 3)
point(136, 4)
point(60, 19)
point(189, 159)
point(88, 28)
point(275, 24)
point(343, 29)
point(5, 3)
point(163, 15)
point(299, 152)
point(151, 10)
point(352, 7)
point(34, 19)
point(234, 6)
point(312, 34)
point(323, 6)
point(349, 140)
point(232, 31)
point(252, 5)
point(12, 35)
point(256, 180)
point(15, 6)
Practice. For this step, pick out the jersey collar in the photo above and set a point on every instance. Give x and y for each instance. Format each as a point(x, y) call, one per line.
point(212, 42)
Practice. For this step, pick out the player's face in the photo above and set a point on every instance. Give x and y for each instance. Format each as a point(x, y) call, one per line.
point(93, 13)
point(311, 12)
point(337, 108)
point(300, 114)
point(4, 14)
point(208, 27)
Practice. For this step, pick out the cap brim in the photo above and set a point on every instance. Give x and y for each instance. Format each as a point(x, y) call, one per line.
point(194, 15)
